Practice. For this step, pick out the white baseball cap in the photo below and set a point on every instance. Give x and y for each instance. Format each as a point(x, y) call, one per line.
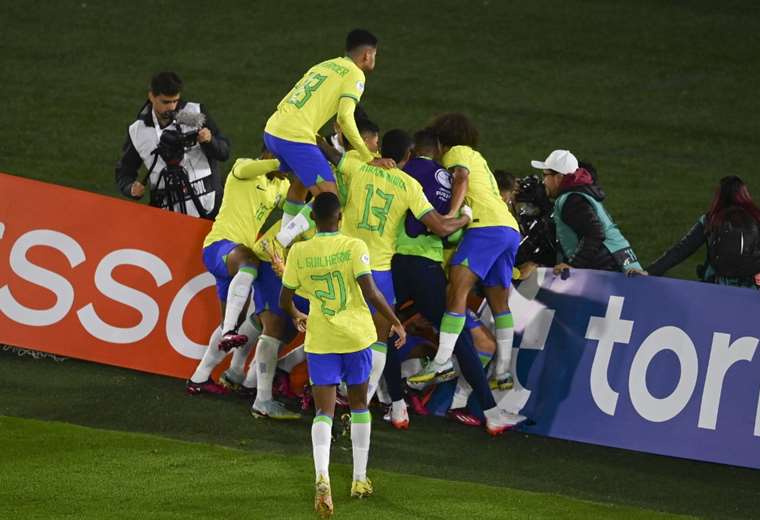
point(561, 161)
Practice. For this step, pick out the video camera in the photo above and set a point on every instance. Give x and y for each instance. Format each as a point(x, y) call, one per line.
point(175, 182)
point(533, 210)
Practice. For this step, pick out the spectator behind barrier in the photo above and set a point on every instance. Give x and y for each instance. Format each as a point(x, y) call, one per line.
point(586, 234)
point(731, 231)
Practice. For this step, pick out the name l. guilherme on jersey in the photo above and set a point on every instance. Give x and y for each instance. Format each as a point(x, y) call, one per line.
point(313, 262)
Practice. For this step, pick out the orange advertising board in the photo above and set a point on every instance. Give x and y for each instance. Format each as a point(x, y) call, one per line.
point(106, 280)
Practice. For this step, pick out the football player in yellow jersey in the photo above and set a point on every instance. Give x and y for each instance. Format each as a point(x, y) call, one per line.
point(486, 253)
point(375, 208)
point(332, 87)
point(253, 188)
point(333, 271)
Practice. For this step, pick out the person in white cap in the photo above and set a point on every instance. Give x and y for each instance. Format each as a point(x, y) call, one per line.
point(587, 236)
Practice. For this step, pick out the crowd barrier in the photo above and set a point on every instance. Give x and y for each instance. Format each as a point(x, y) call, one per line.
point(650, 364)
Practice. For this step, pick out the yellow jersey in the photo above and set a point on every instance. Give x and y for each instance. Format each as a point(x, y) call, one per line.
point(376, 204)
point(324, 270)
point(488, 208)
point(247, 202)
point(314, 100)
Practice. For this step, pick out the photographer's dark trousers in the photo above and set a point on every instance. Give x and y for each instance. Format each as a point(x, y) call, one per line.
point(422, 280)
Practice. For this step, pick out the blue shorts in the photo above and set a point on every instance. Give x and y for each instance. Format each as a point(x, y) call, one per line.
point(490, 253)
point(266, 293)
point(471, 320)
point(305, 160)
point(384, 283)
point(215, 260)
point(331, 369)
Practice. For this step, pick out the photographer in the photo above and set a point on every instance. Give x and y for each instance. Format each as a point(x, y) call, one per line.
point(731, 231)
point(586, 234)
point(168, 130)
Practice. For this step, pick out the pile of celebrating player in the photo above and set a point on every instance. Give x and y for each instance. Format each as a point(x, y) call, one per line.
point(334, 238)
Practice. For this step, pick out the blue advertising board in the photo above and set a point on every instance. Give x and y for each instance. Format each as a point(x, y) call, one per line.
point(651, 364)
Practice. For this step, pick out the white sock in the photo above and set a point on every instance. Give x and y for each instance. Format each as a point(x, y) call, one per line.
point(446, 342)
point(288, 232)
point(461, 393)
point(211, 358)
point(289, 361)
point(321, 436)
point(251, 377)
point(361, 428)
point(266, 365)
point(240, 288)
point(398, 406)
point(504, 339)
point(240, 354)
point(378, 365)
point(491, 413)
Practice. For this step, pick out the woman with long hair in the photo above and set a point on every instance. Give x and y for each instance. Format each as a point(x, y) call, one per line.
point(732, 213)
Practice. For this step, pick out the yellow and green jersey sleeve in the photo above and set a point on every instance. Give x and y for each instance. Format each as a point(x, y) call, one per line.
point(324, 270)
point(376, 205)
point(247, 201)
point(314, 100)
point(488, 208)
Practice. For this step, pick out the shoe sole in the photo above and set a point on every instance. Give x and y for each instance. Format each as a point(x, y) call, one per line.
point(260, 415)
point(401, 425)
point(497, 432)
point(323, 502)
point(442, 377)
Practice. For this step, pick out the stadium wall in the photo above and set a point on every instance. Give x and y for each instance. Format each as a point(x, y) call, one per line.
point(649, 364)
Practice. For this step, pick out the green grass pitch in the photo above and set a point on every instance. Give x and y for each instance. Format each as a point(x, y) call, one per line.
point(660, 96)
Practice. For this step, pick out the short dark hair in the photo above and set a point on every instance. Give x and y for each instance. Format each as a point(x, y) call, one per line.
point(505, 180)
point(365, 126)
point(395, 144)
point(166, 83)
point(326, 206)
point(359, 38)
point(455, 129)
point(425, 138)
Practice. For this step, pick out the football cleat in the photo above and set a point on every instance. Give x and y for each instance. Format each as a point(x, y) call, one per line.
point(246, 392)
point(462, 416)
point(503, 422)
point(281, 385)
point(323, 503)
point(273, 410)
point(503, 382)
point(433, 372)
point(207, 387)
point(231, 380)
point(400, 419)
point(361, 488)
point(418, 402)
point(231, 339)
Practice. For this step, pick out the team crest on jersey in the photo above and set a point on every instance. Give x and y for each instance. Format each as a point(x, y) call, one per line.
point(444, 178)
point(365, 259)
point(360, 86)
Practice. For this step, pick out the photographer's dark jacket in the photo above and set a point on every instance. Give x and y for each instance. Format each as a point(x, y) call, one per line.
point(201, 162)
point(588, 237)
point(687, 246)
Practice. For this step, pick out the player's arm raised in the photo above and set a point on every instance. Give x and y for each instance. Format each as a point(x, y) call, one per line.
point(376, 298)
